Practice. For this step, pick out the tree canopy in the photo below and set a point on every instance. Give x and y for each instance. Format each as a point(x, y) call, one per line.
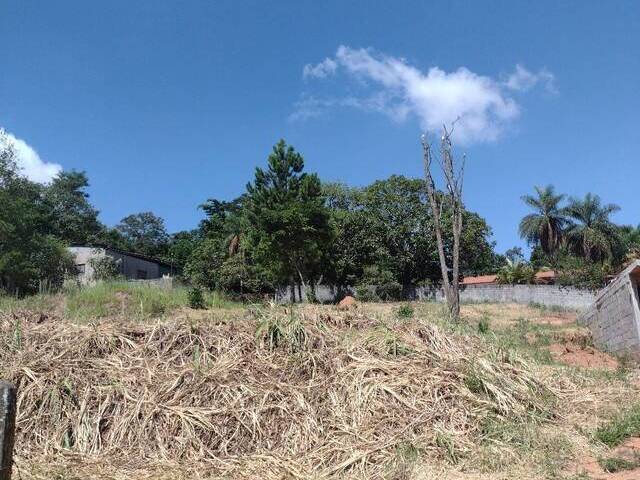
point(288, 229)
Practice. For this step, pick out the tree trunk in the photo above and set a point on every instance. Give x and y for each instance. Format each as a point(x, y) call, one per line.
point(453, 194)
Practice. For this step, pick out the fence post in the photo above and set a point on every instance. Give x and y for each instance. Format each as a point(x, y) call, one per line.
point(7, 428)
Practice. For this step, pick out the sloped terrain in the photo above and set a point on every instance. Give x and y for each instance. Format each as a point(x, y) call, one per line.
point(273, 392)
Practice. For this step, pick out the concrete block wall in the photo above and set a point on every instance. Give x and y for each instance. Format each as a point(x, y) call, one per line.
point(547, 295)
point(614, 317)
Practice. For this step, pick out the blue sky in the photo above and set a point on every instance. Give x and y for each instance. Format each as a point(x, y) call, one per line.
point(166, 104)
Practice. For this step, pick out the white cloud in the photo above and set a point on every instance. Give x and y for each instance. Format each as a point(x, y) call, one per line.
point(30, 163)
point(522, 79)
point(321, 70)
point(481, 106)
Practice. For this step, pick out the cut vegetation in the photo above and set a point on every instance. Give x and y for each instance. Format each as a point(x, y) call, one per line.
point(299, 392)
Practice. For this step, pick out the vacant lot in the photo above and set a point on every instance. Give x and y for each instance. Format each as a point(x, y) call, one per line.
point(128, 383)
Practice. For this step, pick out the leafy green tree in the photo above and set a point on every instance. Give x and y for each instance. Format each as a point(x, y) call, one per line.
point(181, 246)
point(356, 242)
point(289, 221)
point(545, 226)
point(591, 234)
point(397, 207)
point(220, 251)
point(203, 266)
point(539, 259)
point(477, 251)
point(73, 219)
point(582, 273)
point(144, 233)
point(30, 257)
point(113, 238)
point(383, 233)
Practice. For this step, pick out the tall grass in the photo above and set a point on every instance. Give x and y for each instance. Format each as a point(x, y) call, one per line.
point(39, 302)
point(132, 300)
point(106, 299)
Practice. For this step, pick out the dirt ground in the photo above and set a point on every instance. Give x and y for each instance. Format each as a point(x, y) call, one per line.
point(572, 347)
point(629, 450)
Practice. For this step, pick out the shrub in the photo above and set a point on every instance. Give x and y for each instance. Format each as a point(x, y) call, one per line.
point(310, 295)
point(365, 293)
point(105, 268)
point(516, 273)
point(196, 298)
point(483, 326)
point(389, 291)
point(405, 311)
point(580, 273)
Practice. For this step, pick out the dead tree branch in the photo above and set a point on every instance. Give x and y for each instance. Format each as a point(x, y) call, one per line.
point(450, 198)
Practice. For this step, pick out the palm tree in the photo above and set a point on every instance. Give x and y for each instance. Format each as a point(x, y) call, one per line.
point(544, 227)
point(630, 242)
point(591, 234)
point(516, 272)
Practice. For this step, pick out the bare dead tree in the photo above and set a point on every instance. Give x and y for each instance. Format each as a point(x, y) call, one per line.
point(451, 200)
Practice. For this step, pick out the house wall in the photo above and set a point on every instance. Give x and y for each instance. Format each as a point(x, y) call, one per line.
point(614, 317)
point(129, 266)
point(82, 256)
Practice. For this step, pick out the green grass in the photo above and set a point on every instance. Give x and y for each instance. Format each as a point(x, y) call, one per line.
point(39, 302)
point(129, 299)
point(122, 298)
point(616, 464)
point(624, 425)
point(529, 339)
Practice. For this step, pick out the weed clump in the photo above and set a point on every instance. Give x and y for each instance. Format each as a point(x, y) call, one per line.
point(617, 464)
point(483, 326)
point(405, 311)
point(624, 425)
point(196, 299)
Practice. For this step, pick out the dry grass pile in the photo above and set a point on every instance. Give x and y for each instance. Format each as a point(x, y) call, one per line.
point(274, 394)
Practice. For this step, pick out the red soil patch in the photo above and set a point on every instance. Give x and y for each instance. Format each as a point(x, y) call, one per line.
point(581, 356)
point(629, 450)
point(347, 303)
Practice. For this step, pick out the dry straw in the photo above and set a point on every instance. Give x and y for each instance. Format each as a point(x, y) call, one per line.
point(276, 394)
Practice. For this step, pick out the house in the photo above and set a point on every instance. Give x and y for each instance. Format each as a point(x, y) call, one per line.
point(480, 280)
point(133, 266)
